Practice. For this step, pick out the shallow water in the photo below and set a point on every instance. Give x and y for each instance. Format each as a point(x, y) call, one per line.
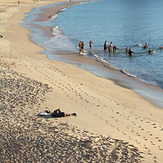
point(123, 22)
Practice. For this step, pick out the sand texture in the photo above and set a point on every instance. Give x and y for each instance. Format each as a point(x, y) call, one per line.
point(113, 124)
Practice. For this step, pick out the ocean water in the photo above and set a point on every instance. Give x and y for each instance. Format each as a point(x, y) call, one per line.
point(123, 22)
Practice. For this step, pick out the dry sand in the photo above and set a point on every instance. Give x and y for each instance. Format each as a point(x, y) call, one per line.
point(113, 124)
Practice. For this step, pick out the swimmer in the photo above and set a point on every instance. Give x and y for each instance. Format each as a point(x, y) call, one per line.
point(114, 48)
point(130, 52)
point(150, 51)
point(139, 45)
point(145, 46)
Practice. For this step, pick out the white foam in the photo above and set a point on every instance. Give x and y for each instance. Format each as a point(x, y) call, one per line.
point(127, 73)
point(107, 65)
point(59, 42)
point(52, 17)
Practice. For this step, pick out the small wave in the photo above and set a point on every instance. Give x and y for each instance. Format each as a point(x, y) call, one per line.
point(61, 10)
point(54, 16)
point(59, 42)
point(127, 73)
point(107, 65)
point(56, 31)
point(104, 62)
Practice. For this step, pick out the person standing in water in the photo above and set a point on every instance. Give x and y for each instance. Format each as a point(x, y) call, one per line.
point(127, 49)
point(145, 46)
point(130, 52)
point(105, 45)
point(79, 46)
point(114, 48)
point(90, 44)
point(110, 47)
point(82, 46)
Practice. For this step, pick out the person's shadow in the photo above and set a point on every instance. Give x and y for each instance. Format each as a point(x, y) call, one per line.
point(45, 116)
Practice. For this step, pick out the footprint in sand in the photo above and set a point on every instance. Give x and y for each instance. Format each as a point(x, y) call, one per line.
point(155, 159)
point(152, 143)
point(123, 133)
point(138, 134)
point(145, 138)
point(118, 129)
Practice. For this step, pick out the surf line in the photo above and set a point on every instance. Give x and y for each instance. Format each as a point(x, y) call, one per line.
point(55, 15)
point(107, 65)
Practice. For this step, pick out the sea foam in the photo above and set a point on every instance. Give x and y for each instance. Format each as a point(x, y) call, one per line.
point(59, 42)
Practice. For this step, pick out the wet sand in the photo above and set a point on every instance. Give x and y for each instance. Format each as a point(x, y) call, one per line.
point(113, 124)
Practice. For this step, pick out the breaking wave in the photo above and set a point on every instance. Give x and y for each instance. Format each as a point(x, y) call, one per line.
point(59, 42)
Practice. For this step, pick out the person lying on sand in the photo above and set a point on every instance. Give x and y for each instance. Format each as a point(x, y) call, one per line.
point(58, 113)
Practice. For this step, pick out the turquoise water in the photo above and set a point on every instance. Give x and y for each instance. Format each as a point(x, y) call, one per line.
point(123, 22)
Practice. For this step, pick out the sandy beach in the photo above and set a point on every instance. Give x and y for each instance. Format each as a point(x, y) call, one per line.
point(113, 123)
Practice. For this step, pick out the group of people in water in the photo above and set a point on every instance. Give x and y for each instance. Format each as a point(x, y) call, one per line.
point(130, 52)
point(110, 47)
point(81, 46)
point(113, 48)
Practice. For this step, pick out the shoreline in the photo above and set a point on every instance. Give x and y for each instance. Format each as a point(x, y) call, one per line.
point(117, 116)
point(147, 90)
